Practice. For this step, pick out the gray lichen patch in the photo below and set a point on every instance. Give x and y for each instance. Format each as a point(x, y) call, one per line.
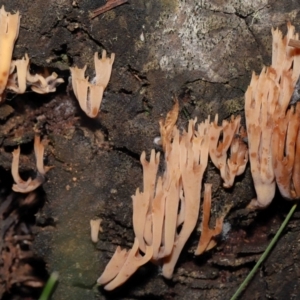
point(206, 39)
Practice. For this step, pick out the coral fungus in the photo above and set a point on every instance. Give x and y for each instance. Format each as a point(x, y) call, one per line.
point(15, 74)
point(89, 95)
point(166, 212)
point(30, 184)
point(272, 128)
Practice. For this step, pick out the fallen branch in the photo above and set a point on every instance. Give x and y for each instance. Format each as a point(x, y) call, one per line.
point(110, 4)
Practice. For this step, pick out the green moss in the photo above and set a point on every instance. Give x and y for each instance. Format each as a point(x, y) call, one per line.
point(169, 5)
point(234, 106)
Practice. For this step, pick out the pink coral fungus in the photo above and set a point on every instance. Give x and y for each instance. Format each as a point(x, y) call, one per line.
point(89, 95)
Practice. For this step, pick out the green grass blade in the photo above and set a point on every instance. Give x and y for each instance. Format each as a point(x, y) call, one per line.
point(48, 289)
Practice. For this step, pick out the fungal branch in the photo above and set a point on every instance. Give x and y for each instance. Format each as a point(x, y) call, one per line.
point(30, 184)
point(232, 140)
point(207, 240)
point(9, 31)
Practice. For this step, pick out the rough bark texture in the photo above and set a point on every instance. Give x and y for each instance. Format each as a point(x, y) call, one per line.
point(204, 53)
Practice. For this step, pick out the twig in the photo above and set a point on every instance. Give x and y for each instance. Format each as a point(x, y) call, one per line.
point(110, 4)
point(294, 43)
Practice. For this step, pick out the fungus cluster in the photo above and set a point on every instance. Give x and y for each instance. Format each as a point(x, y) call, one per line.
point(166, 212)
point(273, 127)
point(15, 74)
